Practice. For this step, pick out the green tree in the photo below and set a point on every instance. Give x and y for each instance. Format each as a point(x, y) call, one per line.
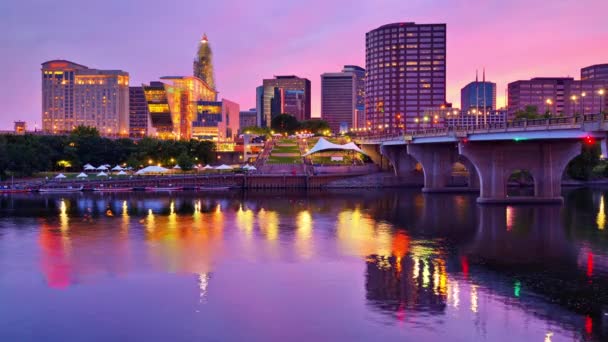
point(530, 112)
point(185, 161)
point(284, 123)
point(314, 126)
point(582, 166)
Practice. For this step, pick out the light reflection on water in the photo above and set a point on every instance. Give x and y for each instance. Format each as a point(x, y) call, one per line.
point(324, 266)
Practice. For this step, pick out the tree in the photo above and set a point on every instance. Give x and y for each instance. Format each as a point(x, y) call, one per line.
point(314, 126)
point(529, 112)
point(582, 166)
point(284, 123)
point(255, 130)
point(185, 162)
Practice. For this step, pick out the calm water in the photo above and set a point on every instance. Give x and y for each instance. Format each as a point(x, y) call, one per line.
point(318, 266)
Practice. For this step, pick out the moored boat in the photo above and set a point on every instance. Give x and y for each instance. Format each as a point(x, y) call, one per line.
point(61, 189)
point(117, 189)
point(164, 188)
point(214, 188)
point(13, 190)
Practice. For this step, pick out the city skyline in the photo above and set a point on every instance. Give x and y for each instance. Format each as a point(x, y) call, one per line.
point(251, 49)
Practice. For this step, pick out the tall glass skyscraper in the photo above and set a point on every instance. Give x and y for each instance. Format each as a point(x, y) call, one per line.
point(342, 97)
point(203, 62)
point(406, 72)
point(480, 96)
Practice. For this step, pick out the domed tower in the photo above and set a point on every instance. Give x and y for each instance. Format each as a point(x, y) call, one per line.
point(203, 62)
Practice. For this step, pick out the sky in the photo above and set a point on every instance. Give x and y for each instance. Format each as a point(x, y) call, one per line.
point(253, 40)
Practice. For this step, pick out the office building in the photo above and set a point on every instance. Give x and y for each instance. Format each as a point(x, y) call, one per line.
point(406, 74)
point(20, 127)
point(259, 106)
point(248, 118)
point(595, 72)
point(216, 120)
point(140, 124)
point(203, 62)
point(557, 96)
point(286, 95)
point(74, 95)
point(342, 98)
point(478, 96)
point(158, 110)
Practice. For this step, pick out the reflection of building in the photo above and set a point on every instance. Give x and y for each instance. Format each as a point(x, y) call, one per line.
point(406, 72)
point(291, 93)
point(20, 127)
point(74, 95)
point(216, 120)
point(480, 96)
point(558, 95)
point(140, 124)
point(248, 118)
point(342, 99)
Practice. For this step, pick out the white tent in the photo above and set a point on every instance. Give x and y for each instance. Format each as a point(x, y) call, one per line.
point(324, 145)
point(121, 173)
point(102, 168)
point(117, 168)
point(252, 168)
point(177, 167)
point(224, 167)
point(102, 174)
point(60, 176)
point(245, 167)
point(89, 167)
point(207, 167)
point(106, 165)
point(82, 175)
point(151, 169)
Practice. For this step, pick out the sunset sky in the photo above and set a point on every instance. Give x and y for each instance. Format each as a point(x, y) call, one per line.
point(252, 40)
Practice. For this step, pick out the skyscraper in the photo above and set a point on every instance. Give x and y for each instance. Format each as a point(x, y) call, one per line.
point(203, 62)
point(478, 95)
point(342, 97)
point(406, 73)
point(139, 117)
point(294, 97)
point(74, 95)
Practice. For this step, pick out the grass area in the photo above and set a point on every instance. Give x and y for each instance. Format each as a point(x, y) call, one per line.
point(283, 160)
point(285, 149)
point(327, 161)
point(288, 141)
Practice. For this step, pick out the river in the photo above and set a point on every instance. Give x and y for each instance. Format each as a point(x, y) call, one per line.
point(345, 265)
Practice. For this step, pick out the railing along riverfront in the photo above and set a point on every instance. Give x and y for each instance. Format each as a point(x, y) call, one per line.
point(558, 123)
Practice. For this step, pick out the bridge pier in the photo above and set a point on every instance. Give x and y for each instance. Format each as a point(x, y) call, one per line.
point(496, 161)
point(374, 152)
point(403, 164)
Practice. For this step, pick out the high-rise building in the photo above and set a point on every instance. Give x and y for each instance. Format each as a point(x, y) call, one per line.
point(293, 98)
point(259, 106)
point(342, 97)
point(203, 62)
point(595, 72)
point(140, 124)
point(248, 118)
point(74, 95)
point(216, 120)
point(480, 96)
point(406, 73)
point(158, 109)
point(558, 95)
point(359, 74)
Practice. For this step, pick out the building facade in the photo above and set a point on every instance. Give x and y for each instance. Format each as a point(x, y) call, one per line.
point(140, 124)
point(216, 120)
point(595, 72)
point(557, 96)
point(480, 96)
point(248, 118)
point(342, 98)
point(158, 110)
point(203, 62)
point(406, 74)
point(286, 95)
point(74, 95)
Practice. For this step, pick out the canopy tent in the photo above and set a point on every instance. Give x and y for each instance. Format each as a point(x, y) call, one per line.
point(121, 173)
point(60, 176)
point(252, 168)
point(117, 168)
point(207, 167)
point(177, 167)
point(102, 168)
point(82, 175)
point(224, 167)
point(151, 169)
point(102, 174)
point(245, 167)
point(89, 167)
point(324, 145)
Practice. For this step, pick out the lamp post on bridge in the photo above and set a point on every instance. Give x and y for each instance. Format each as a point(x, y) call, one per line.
point(549, 103)
point(573, 99)
point(602, 92)
point(583, 94)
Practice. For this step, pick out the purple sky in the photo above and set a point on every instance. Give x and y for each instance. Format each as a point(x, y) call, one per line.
point(252, 40)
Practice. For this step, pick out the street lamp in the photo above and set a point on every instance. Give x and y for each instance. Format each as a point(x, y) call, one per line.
point(583, 94)
point(549, 102)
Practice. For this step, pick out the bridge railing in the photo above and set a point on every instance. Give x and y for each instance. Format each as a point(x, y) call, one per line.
point(516, 125)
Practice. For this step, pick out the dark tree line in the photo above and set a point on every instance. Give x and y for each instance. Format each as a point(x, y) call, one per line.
point(24, 155)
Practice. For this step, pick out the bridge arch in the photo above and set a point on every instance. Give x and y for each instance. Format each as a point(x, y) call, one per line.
point(520, 182)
